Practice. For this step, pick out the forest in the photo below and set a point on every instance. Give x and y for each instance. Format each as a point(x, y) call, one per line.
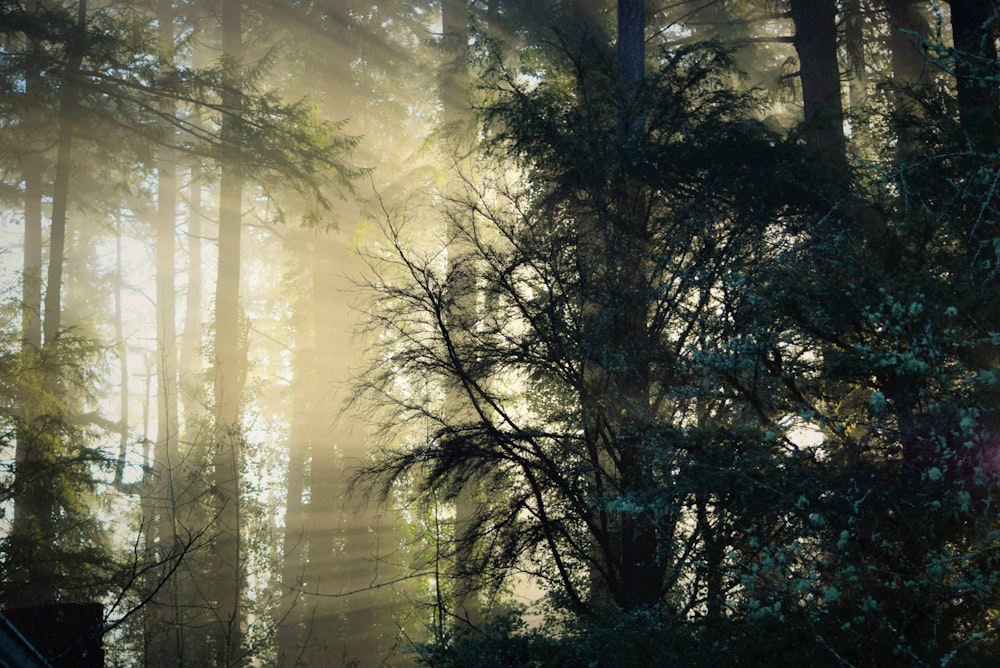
point(463, 333)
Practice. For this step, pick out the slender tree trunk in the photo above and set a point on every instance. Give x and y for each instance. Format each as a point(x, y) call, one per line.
point(293, 622)
point(631, 67)
point(312, 634)
point(713, 551)
point(166, 276)
point(641, 574)
point(854, 46)
point(191, 361)
point(452, 84)
point(188, 615)
point(25, 523)
point(121, 348)
point(68, 103)
point(151, 631)
point(227, 571)
point(168, 639)
point(32, 173)
point(907, 28)
point(32, 278)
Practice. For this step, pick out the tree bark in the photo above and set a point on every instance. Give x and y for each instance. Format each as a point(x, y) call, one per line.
point(293, 623)
point(907, 28)
point(819, 71)
point(25, 509)
point(31, 167)
point(855, 22)
point(168, 455)
point(191, 361)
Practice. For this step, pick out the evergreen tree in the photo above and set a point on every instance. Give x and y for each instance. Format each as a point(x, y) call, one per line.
point(577, 463)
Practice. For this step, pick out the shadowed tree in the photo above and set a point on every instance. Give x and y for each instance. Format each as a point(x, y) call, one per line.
point(819, 72)
point(567, 402)
point(975, 25)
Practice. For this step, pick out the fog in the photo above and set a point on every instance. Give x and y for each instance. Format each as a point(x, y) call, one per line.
point(223, 446)
point(198, 193)
point(332, 329)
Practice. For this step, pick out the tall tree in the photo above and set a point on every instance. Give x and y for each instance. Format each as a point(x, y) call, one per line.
point(568, 401)
point(164, 632)
point(227, 572)
point(32, 173)
point(294, 625)
point(38, 450)
point(629, 385)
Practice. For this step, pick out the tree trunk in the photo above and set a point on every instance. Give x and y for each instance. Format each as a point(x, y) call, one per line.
point(631, 67)
point(855, 22)
point(293, 622)
point(32, 278)
point(230, 359)
point(163, 622)
point(712, 544)
point(641, 575)
point(452, 83)
point(907, 27)
point(315, 555)
point(167, 453)
point(974, 27)
point(31, 167)
point(68, 103)
point(819, 71)
point(191, 361)
point(25, 523)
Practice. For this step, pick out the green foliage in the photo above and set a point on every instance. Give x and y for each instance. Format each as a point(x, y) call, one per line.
point(895, 290)
point(624, 639)
point(541, 409)
point(296, 158)
point(783, 402)
point(56, 546)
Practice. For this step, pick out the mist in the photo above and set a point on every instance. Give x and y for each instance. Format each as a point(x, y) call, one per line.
point(344, 334)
